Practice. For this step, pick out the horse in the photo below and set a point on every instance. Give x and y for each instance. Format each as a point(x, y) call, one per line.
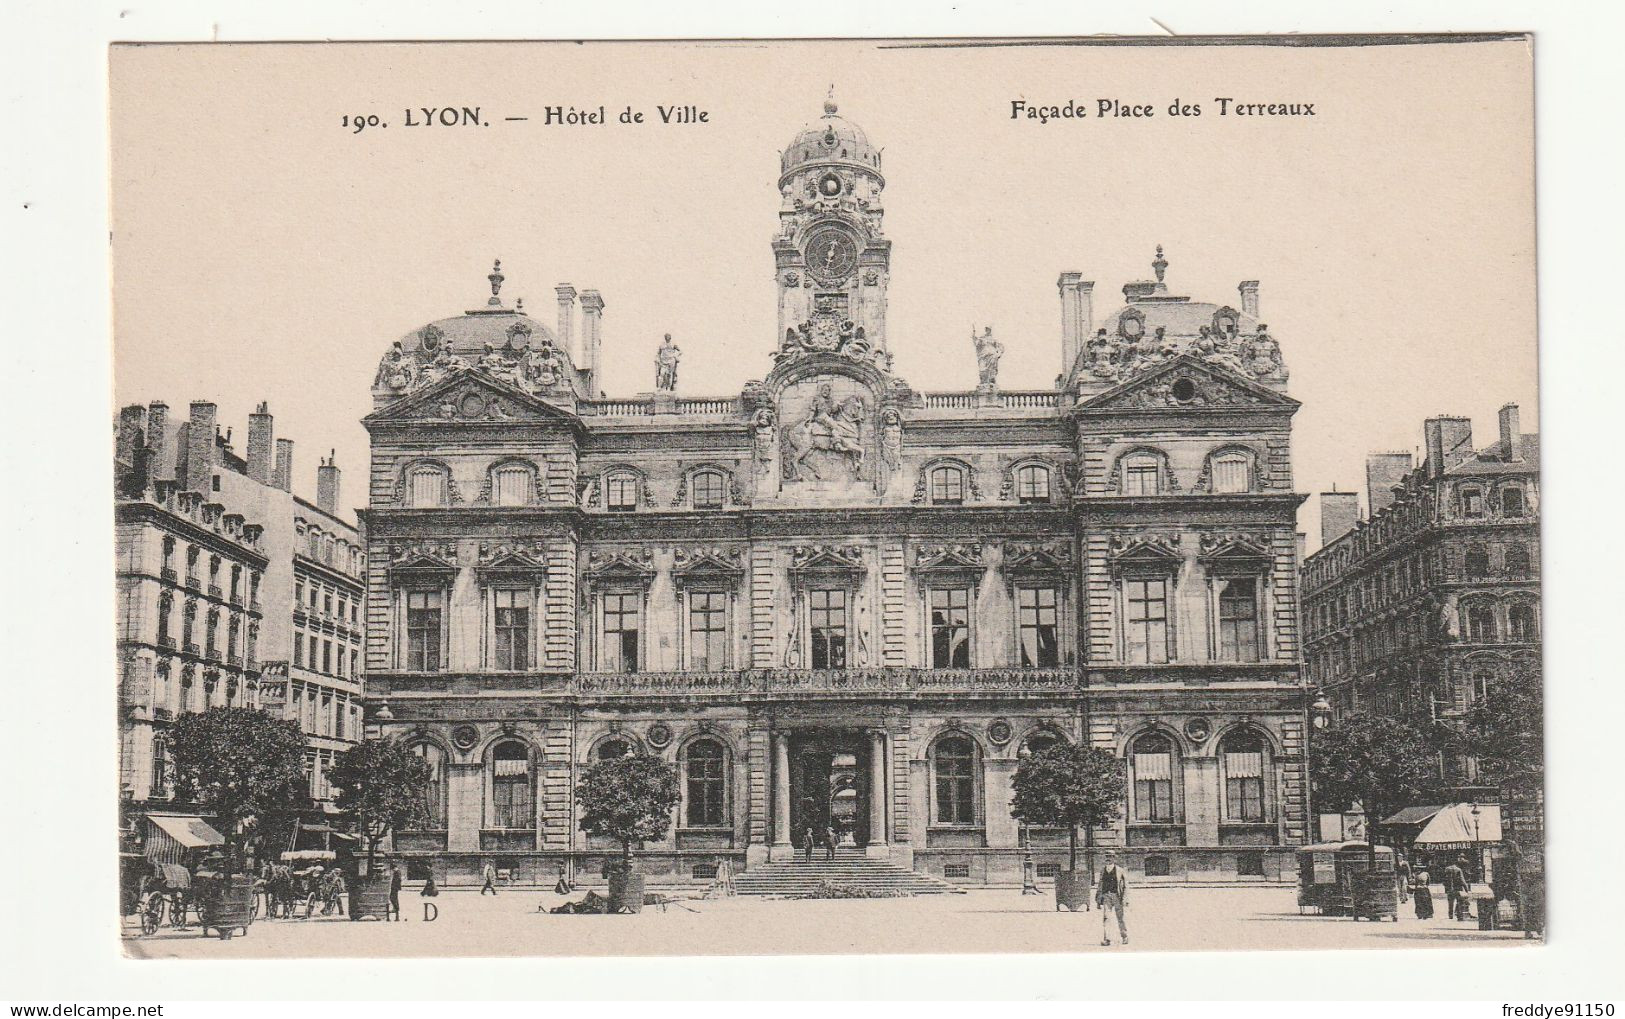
point(845, 438)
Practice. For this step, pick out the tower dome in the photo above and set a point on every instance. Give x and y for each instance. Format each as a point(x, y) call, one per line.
point(830, 139)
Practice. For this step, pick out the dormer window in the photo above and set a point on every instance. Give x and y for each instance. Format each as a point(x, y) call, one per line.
point(1232, 473)
point(1512, 502)
point(1142, 475)
point(621, 493)
point(706, 490)
point(947, 486)
point(1472, 503)
point(1032, 483)
point(510, 485)
point(426, 485)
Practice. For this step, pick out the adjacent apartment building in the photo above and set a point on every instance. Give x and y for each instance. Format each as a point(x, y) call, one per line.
point(831, 600)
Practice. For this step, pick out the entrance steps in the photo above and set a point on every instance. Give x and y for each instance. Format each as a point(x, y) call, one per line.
point(850, 868)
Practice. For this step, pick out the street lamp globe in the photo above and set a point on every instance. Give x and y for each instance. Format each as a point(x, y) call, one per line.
point(1320, 712)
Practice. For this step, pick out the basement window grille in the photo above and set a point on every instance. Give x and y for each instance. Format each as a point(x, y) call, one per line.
point(956, 870)
point(1049, 869)
point(708, 871)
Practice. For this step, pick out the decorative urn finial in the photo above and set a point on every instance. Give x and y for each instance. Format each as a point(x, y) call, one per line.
point(496, 279)
point(1160, 265)
point(829, 103)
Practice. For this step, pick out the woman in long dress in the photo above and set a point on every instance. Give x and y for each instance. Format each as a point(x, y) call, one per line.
point(1421, 894)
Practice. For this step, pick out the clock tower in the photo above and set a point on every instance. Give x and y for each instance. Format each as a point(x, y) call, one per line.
point(830, 256)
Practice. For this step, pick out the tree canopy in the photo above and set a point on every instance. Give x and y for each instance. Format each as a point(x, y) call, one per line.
point(1067, 786)
point(381, 785)
point(1383, 763)
point(239, 764)
point(629, 799)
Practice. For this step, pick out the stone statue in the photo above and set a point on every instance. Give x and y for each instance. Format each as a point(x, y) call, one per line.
point(988, 352)
point(541, 367)
point(891, 437)
point(397, 370)
point(666, 359)
point(763, 439)
point(828, 427)
point(491, 361)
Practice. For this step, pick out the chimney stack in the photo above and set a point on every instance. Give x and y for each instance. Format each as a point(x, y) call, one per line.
point(201, 435)
point(158, 466)
point(1077, 317)
point(1510, 433)
point(1449, 440)
point(132, 422)
point(592, 338)
point(1384, 471)
point(1339, 512)
point(327, 484)
point(260, 444)
point(282, 473)
point(1249, 297)
point(567, 317)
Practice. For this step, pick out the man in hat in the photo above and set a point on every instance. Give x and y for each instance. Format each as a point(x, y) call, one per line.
point(1455, 889)
point(1111, 895)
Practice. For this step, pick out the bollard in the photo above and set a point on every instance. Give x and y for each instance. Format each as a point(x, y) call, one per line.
point(431, 912)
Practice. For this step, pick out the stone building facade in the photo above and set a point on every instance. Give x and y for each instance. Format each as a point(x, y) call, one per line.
point(1417, 610)
point(284, 598)
point(831, 600)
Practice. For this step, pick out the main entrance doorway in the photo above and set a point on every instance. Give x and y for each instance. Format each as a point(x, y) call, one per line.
point(829, 787)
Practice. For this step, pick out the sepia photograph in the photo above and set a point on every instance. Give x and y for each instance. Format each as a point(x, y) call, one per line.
point(792, 497)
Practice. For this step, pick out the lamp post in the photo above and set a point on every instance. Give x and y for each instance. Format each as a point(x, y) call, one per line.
point(1478, 846)
point(1029, 873)
point(1319, 718)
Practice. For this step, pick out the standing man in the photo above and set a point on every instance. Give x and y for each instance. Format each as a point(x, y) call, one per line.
point(808, 847)
point(395, 891)
point(490, 875)
point(1111, 895)
point(1455, 890)
point(829, 843)
point(1402, 875)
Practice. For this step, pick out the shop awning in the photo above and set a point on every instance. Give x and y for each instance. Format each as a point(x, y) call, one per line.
point(1454, 827)
point(169, 836)
point(1414, 815)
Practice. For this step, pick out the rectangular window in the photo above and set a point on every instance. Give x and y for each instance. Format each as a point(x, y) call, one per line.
point(1146, 618)
point(1472, 503)
point(423, 631)
point(1244, 787)
point(1238, 620)
point(621, 493)
point(327, 603)
point(327, 656)
point(299, 649)
point(1156, 866)
point(1230, 474)
point(707, 630)
point(1154, 787)
point(355, 669)
point(1140, 477)
point(1249, 864)
point(428, 487)
point(621, 612)
point(827, 621)
point(950, 628)
point(344, 609)
point(512, 486)
point(1036, 617)
point(512, 630)
point(313, 658)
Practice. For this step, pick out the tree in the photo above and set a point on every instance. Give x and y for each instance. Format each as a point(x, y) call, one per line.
point(239, 764)
point(1067, 786)
point(381, 785)
point(629, 799)
point(1505, 733)
point(1383, 763)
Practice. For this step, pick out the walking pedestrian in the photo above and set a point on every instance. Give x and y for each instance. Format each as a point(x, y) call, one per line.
point(430, 889)
point(490, 875)
point(1421, 894)
point(1402, 875)
point(808, 845)
point(563, 885)
point(725, 876)
point(395, 891)
point(1455, 890)
point(1112, 896)
point(829, 843)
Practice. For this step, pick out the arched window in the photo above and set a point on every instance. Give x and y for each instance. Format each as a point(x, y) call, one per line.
point(1153, 765)
point(954, 761)
point(614, 748)
point(1142, 474)
point(1517, 557)
point(434, 790)
point(426, 486)
point(1040, 740)
point(1477, 561)
point(1521, 622)
point(1232, 472)
point(705, 490)
point(166, 603)
point(511, 803)
point(621, 492)
point(1478, 621)
point(160, 685)
point(705, 780)
point(510, 485)
point(1032, 483)
point(947, 486)
point(1512, 502)
point(1472, 503)
point(1241, 758)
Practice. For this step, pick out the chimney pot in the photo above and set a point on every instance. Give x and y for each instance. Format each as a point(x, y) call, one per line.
point(202, 433)
point(1511, 432)
point(1339, 512)
point(567, 317)
point(327, 484)
point(261, 444)
point(1249, 297)
point(282, 476)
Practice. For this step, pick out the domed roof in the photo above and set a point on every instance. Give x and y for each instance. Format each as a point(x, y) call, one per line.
point(830, 139)
point(495, 324)
point(1178, 317)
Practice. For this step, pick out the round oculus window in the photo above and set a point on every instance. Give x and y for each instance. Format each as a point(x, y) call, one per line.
point(465, 736)
point(830, 184)
point(1184, 390)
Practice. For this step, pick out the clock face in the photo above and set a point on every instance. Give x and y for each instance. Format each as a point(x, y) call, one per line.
point(829, 185)
point(832, 254)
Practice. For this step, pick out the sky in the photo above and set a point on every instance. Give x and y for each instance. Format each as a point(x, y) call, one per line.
point(262, 250)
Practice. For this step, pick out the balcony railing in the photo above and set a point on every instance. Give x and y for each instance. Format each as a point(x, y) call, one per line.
point(194, 583)
point(889, 680)
point(168, 573)
point(214, 590)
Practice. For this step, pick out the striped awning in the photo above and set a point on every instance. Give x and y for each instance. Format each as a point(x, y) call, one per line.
point(1153, 767)
point(1244, 765)
point(169, 836)
point(1455, 827)
point(505, 767)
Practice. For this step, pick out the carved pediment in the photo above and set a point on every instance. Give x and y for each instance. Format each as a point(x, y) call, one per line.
point(525, 558)
point(1183, 384)
point(631, 564)
point(1159, 552)
point(471, 394)
point(826, 559)
point(434, 560)
point(1239, 550)
point(698, 564)
point(1037, 556)
point(955, 557)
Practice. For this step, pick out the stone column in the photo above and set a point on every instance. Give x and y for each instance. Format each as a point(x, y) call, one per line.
point(782, 849)
point(878, 846)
